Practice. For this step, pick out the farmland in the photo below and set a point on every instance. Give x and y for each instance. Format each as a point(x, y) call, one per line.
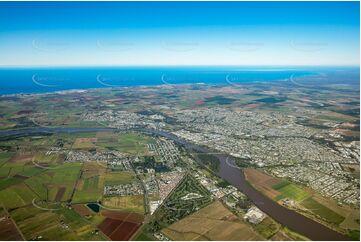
point(213, 222)
point(274, 188)
point(118, 229)
point(262, 182)
point(120, 225)
point(82, 210)
point(8, 230)
point(89, 187)
point(63, 224)
point(267, 228)
point(37, 185)
point(306, 201)
point(16, 196)
point(64, 178)
point(99, 184)
point(133, 143)
point(322, 211)
point(114, 178)
point(127, 203)
point(290, 191)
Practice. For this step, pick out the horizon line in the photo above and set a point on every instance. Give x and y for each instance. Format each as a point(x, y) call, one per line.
point(155, 66)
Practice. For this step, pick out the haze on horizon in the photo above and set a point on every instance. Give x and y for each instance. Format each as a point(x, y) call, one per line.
point(179, 33)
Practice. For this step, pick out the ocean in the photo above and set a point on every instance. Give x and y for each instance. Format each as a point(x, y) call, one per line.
point(41, 80)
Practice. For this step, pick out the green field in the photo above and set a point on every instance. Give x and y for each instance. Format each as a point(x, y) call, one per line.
point(44, 160)
point(64, 176)
point(90, 186)
point(4, 171)
point(322, 211)
point(293, 235)
point(267, 228)
point(145, 233)
point(116, 178)
point(86, 196)
point(16, 196)
point(30, 171)
point(208, 161)
point(133, 203)
point(4, 156)
point(63, 224)
point(133, 143)
point(38, 184)
point(18, 191)
point(130, 143)
point(91, 183)
point(11, 169)
point(7, 182)
point(354, 235)
point(107, 140)
point(90, 191)
point(143, 237)
point(291, 191)
point(280, 185)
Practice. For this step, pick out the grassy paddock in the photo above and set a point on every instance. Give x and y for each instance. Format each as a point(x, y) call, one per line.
point(292, 191)
point(322, 211)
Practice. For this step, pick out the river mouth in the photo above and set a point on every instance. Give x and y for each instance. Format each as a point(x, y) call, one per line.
point(227, 171)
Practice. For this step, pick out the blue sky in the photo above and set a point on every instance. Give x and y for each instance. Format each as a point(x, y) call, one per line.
point(179, 33)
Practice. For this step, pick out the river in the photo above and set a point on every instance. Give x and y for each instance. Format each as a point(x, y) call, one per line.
point(229, 172)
